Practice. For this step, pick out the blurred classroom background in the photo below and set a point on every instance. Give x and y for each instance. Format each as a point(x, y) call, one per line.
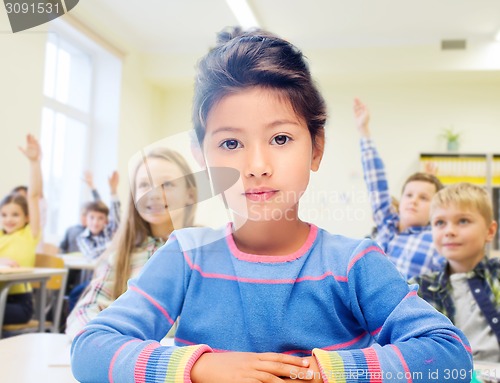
point(112, 77)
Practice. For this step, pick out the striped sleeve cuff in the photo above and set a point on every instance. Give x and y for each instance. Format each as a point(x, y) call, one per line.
point(361, 366)
point(175, 363)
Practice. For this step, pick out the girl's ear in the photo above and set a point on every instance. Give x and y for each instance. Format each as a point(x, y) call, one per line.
point(318, 150)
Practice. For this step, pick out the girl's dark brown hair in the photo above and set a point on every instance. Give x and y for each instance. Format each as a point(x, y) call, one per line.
point(256, 58)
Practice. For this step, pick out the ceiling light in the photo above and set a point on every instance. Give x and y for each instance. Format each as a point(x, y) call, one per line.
point(243, 13)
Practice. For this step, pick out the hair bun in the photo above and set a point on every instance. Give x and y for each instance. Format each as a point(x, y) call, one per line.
point(229, 33)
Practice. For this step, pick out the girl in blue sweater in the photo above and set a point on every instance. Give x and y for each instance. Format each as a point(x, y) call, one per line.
point(268, 298)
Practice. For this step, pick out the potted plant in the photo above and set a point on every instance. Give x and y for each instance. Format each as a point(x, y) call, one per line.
point(452, 138)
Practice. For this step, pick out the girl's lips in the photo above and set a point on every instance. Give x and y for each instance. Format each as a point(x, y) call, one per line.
point(156, 208)
point(260, 194)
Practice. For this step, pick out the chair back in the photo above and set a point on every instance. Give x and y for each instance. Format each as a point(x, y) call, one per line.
point(54, 262)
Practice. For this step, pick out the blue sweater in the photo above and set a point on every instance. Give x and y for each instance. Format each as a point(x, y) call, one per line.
point(340, 299)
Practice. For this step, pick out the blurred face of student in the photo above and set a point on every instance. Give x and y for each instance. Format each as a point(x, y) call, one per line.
point(460, 236)
point(161, 200)
point(96, 221)
point(415, 202)
point(259, 134)
point(12, 218)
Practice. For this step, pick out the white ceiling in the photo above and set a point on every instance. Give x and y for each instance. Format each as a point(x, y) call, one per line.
point(173, 28)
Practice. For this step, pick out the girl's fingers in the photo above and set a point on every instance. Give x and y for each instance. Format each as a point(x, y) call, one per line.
point(284, 358)
point(285, 366)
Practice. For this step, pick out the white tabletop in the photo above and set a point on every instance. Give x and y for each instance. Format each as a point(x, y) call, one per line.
point(78, 262)
point(488, 372)
point(36, 357)
point(33, 274)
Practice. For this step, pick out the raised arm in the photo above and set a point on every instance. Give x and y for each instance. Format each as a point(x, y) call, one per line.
point(33, 153)
point(88, 178)
point(362, 118)
point(373, 170)
point(115, 215)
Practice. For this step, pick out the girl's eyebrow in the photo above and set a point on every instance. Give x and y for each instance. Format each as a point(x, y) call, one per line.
point(272, 124)
point(225, 129)
point(282, 122)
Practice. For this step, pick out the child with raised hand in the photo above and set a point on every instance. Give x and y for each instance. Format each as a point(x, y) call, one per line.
point(274, 298)
point(69, 243)
point(100, 229)
point(467, 286)
point(21, 231)
point(404, 235)
point(144, 231)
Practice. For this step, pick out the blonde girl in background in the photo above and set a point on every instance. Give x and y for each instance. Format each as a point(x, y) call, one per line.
point(21, 231)
point(148, 224)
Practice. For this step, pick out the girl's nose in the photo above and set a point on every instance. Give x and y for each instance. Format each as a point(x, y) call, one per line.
point(258, 163)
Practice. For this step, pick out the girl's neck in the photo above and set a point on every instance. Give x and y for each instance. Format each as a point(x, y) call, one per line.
point(162, 231)
point(271, 237)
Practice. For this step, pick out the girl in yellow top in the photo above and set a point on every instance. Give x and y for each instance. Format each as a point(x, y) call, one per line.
point(20, 224)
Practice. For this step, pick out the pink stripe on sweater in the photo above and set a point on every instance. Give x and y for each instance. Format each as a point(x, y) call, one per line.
point(313, 232)
point(463, 344)
point(204, 274)
point(357, 257)
point(113, 360)
point(329, 348)
point(142, 362)
point(403, 362)
point(154, 303)
point(373, 365)
point(411, 294)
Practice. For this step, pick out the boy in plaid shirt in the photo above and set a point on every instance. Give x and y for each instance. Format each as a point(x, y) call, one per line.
point(467, 287)
point(404, 235)
point(99, 232)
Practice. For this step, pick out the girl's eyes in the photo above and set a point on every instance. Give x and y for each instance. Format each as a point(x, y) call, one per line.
point(281, 139)
point(463, 221)
point(233, 144)
point(230, 144)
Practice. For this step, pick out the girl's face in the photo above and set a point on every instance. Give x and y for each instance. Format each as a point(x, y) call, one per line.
point(259, 134)
point(12, 217)
point(161, 193)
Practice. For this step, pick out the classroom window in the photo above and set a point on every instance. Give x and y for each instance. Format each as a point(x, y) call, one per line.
point(79, 124)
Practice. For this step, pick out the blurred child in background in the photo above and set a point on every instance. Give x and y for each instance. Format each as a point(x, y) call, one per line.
point(467, 287)
point(21, 231)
